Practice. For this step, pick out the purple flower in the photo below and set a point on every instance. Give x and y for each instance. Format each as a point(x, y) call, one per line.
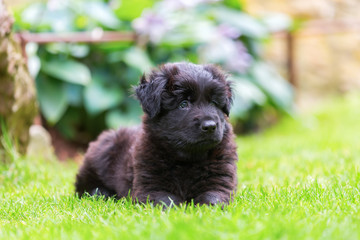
point(228, 31)
point(151, 25)
point(240, 60)
point(233, 55)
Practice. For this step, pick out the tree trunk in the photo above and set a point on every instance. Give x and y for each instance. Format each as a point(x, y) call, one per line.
point(18, 105)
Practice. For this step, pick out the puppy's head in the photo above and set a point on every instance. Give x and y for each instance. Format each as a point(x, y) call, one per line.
point(186, 104)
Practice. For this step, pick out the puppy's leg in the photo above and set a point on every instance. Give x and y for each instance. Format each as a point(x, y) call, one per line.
point(87, 181)
point(107, 168)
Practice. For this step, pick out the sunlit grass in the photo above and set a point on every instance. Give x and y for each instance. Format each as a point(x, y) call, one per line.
point(297, 180)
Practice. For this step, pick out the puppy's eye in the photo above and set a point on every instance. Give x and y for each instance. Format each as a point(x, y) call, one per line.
point(184, 104)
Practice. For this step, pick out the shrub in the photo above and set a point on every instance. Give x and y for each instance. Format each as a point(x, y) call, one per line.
point(83, 89)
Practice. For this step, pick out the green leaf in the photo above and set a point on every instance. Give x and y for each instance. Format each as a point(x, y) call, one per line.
point(76, 50)
point(102, 13)
point(33, 61)
point(116, 118)
point(129, 10)
point(236, 4)
point(74, 94)
point(186, 35)
point(246, 24)
point(246, 96)
point(68, 124)
point(60, 20)
point(67, 70)
point(98, 98)
point(279, 91)
point(52, 98)
point(138, 58)
point(112, 47)
point(131, 76)
point(79, 50)
point(31, 14)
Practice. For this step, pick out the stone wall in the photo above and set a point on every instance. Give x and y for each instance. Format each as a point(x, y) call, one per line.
point(18, 105)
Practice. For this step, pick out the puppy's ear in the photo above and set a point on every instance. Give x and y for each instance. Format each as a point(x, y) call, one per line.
point(218, 74)
point(149, 93)
point(152, 88)
point(229, 98)
point(169, 71)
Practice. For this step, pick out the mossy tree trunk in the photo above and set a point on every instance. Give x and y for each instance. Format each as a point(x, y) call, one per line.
point(18, 105)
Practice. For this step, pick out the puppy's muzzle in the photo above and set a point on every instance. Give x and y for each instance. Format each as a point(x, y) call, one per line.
point(208, 126)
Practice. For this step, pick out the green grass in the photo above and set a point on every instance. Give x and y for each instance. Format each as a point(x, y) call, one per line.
point(298, 180)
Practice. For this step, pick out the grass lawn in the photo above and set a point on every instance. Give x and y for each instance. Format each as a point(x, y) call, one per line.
point(297, 180)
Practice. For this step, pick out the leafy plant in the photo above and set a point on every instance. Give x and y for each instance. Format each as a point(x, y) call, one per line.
point(83, 89)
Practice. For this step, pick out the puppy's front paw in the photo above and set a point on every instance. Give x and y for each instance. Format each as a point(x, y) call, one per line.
point(211, 198)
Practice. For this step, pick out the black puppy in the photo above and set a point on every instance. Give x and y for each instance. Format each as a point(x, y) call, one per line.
point(184, 149)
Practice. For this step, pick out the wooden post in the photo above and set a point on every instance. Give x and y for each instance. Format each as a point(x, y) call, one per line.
point(290, 51)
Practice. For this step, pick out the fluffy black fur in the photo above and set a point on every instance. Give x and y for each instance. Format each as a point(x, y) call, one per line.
point(183, 151)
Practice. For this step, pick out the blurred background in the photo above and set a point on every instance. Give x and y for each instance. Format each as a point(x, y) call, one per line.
point(85, 56)
point(327, 48)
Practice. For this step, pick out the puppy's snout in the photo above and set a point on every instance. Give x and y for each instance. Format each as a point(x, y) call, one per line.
point(208, 126)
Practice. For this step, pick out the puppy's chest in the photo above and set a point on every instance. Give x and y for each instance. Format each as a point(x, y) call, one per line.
point(186, 178)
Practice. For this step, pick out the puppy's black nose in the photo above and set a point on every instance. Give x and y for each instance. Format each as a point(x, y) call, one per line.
point(208, 126)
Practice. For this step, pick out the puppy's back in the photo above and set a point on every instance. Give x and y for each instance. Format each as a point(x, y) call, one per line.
point(108, 165)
